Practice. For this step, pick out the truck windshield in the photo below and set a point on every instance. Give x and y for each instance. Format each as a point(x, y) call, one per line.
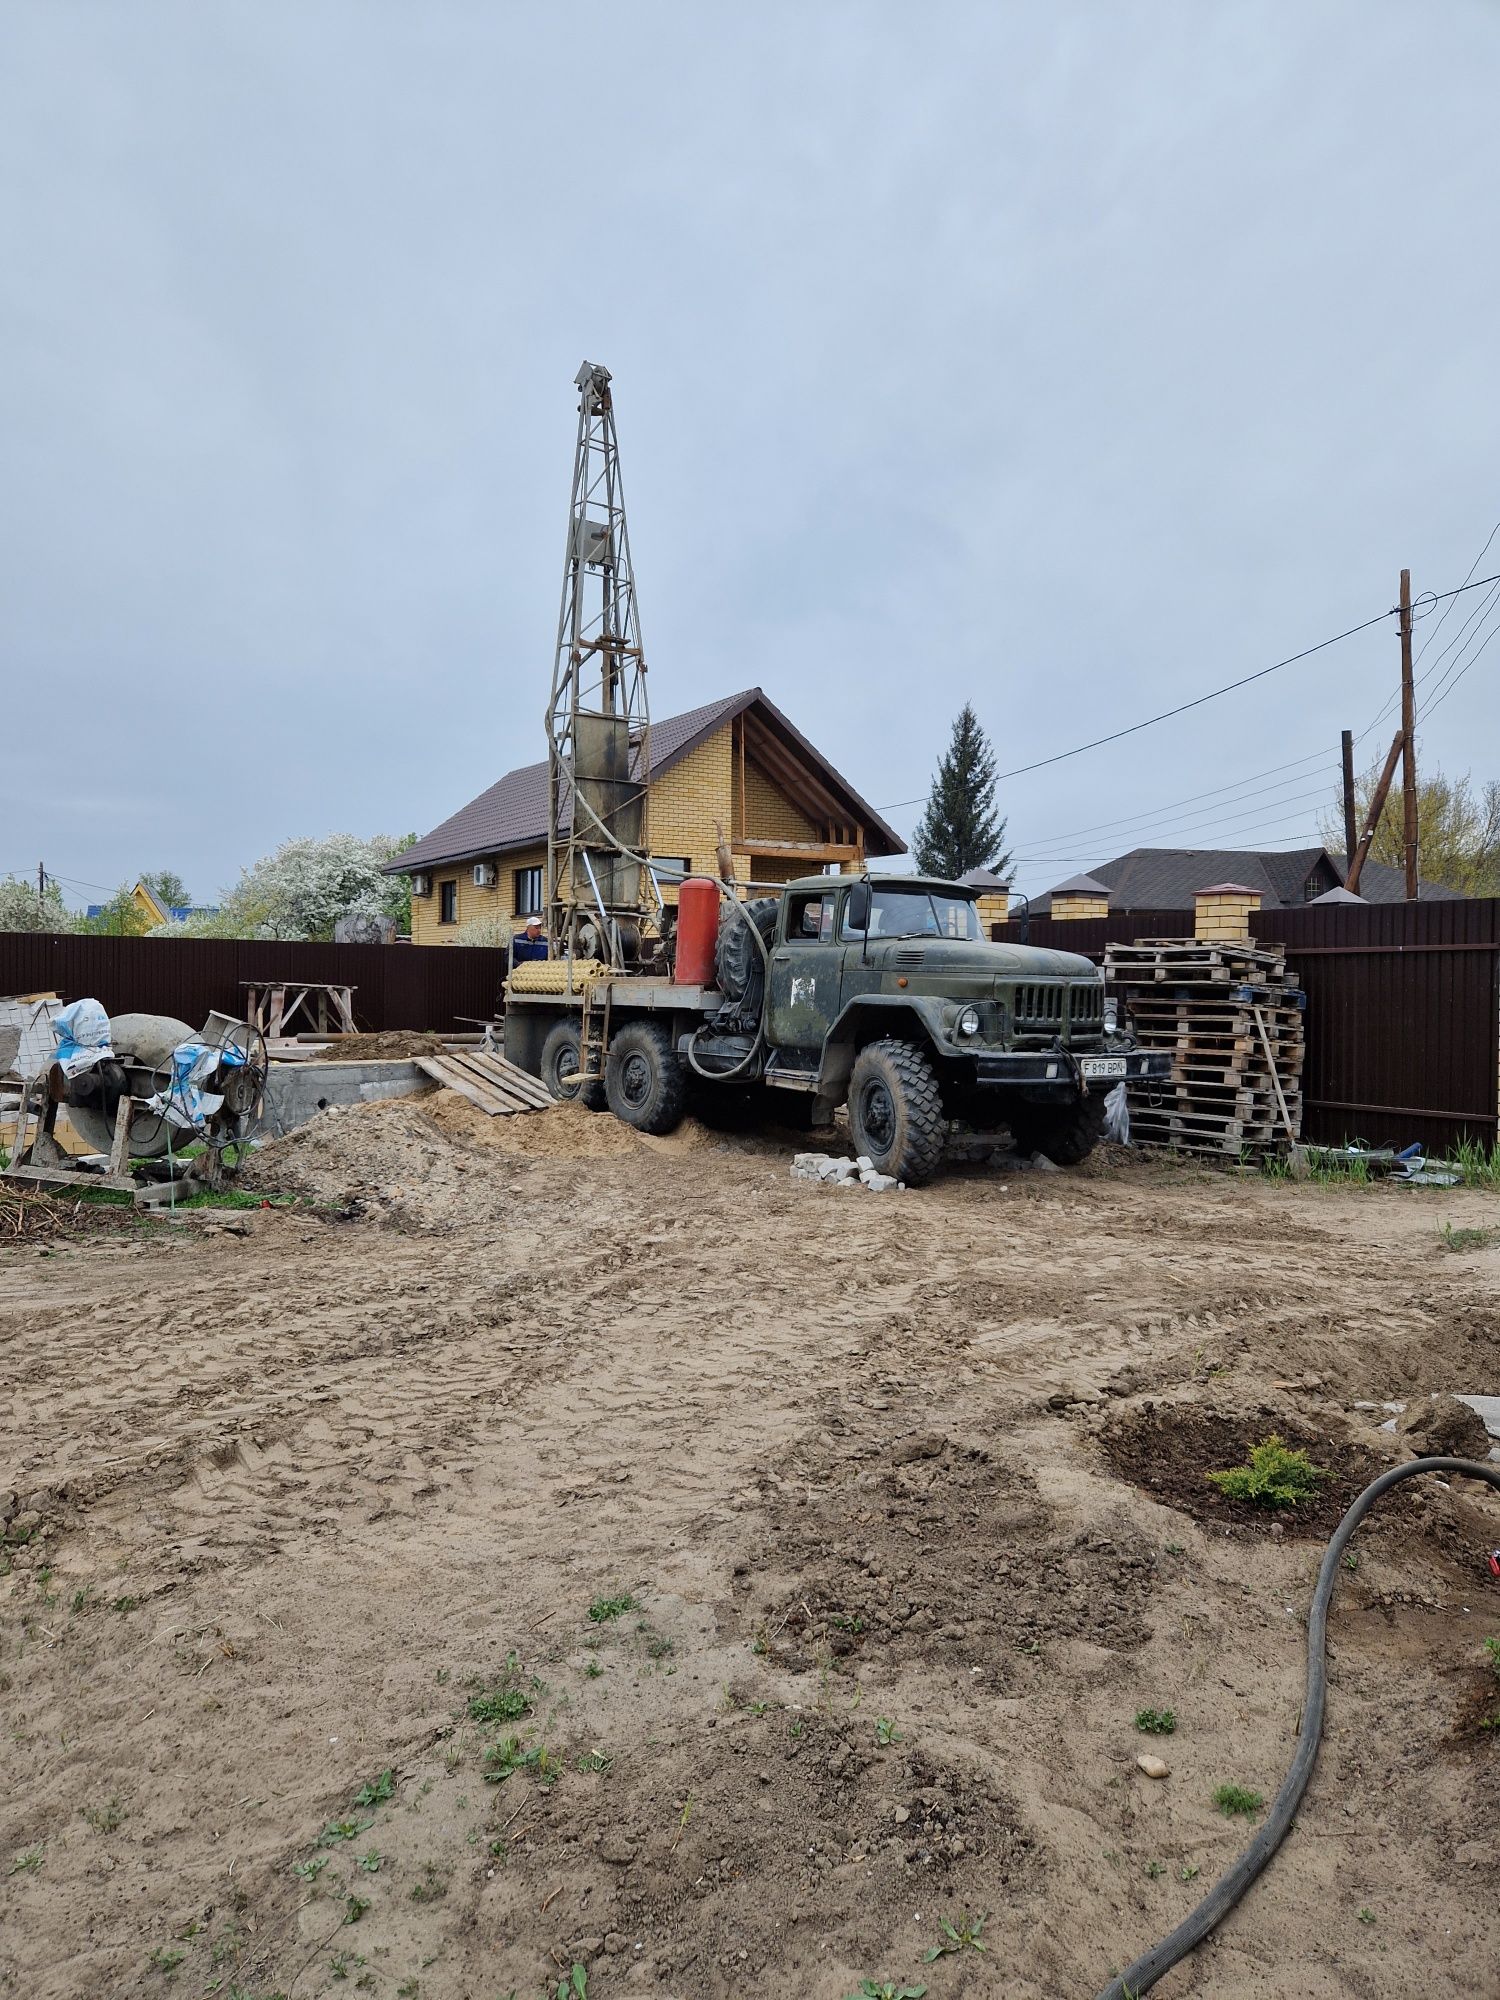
point(920, 913)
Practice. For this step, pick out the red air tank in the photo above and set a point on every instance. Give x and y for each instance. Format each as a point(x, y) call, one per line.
point(697, 931)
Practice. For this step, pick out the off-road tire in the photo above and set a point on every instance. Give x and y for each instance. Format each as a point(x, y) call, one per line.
point(560, 1066)
point(739, 965)
point(896, 1111)
point(645, 1080)
point(1064, 1136)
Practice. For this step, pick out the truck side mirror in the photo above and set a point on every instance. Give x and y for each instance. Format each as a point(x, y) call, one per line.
point(857, 909)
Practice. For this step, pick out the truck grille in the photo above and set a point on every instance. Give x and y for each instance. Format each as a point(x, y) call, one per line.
point(1042, 1010)
point(1039, 1009)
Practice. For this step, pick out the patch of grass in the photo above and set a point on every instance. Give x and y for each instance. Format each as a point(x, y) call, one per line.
point(886, 1732)
point(510, 1755)
point(124, 1604)
point(1479, 1167)
point(82, 1598)
point(29, 1862)
point(1156, 1721)
point(341, 1961)
point(574, 1984)
point(376, 1791)
point(354, 1908)
point(1366, 1914)
point(502, 1701)
point(433, 1886)
point(1275, 1475)
point(886, 1989)
point(1467, 1239)
point(165, 1960)
point(603, 1609)
point(966, 1935)
point(593, 1671)
point(371, 1862)
point(310, 1870)
point(595, 1760)
point(1188, 1871)
point(1237, 1801)
point(105, 1818)
point(1156, 1869)
point(343, 1829)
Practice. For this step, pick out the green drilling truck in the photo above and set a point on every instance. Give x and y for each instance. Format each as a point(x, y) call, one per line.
point(876, 992)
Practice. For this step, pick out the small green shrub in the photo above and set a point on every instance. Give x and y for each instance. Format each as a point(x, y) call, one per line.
point(1275, 1476)
point(1156, 1721)
point(1237, 1801)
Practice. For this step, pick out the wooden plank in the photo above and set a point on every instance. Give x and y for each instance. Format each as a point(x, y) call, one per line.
point(526, 1086)
point(510, 1100)
point(450, 1080)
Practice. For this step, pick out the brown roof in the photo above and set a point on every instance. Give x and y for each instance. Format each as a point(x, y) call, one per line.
point(513, 812)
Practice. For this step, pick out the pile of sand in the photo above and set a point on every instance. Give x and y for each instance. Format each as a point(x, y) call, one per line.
point(395, 1045)
point(563, 1132)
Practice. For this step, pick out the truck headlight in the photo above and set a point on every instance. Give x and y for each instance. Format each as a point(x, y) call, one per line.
point(1111, 1016)
point(968, 1022)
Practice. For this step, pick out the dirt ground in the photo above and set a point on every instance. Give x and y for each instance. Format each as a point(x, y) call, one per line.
point(555, 1547)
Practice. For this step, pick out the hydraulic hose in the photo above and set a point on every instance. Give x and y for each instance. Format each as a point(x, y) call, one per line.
point(1228, 1890)
point(726, 889)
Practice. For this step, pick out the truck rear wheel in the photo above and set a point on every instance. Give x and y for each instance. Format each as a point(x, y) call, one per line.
point(560, 1067)
point(1064, 1136)
point(896, 1111)
point(644, 1079)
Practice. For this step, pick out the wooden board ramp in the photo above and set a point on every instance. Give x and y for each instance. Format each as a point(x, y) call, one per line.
point(497, 1087)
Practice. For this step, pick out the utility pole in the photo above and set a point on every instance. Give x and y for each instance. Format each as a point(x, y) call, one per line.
point(1372, 818)
point(1408, 742)
point(1350, 835)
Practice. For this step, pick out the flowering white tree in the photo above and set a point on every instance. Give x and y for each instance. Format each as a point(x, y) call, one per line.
point(20, 909)
point(303, 889)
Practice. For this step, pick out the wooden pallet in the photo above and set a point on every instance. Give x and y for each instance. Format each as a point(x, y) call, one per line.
point(497, 1087)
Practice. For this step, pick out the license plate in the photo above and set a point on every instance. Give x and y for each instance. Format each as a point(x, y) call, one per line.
point(1097, 1066)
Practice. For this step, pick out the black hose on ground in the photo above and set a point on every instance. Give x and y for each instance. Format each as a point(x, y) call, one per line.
point(1228, 1890)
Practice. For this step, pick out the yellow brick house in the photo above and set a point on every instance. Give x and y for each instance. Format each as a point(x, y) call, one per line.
point(739, 764)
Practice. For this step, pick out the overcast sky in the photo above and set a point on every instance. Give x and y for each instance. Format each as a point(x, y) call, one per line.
point(1068, 359)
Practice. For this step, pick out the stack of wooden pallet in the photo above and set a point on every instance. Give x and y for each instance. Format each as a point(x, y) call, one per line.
point(1231, 1016)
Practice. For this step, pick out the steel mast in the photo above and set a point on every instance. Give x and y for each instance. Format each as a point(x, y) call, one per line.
point(598, 724)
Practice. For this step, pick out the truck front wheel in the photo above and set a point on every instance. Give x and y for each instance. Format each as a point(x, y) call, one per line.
point(896, 1111)
point(560, 1066)
point(644, 1078)
point(1064, 1136)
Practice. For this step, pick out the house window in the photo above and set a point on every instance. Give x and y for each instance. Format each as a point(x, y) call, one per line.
point(668, 871)
point(528, 892)
point(447, 902)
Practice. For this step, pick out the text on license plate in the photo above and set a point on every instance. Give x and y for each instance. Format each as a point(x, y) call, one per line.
point(1102, 1065)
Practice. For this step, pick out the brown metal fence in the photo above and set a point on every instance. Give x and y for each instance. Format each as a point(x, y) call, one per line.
point(1403, 1010)
point(396, 986)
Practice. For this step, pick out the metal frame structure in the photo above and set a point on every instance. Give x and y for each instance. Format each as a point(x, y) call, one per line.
point(598, 721)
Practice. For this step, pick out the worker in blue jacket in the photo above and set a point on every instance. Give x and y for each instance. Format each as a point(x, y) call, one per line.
point(528, 943)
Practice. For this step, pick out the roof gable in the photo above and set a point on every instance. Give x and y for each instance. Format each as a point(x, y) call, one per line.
point(513, 812)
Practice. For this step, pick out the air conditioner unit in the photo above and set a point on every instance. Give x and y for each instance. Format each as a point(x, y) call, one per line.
point(485, 877)
point(421, 885)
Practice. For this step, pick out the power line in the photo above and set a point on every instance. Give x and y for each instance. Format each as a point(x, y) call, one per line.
point(1207, 824)
point(1218, 791)
point(1166, 714)
point(1292, 832)
point(1441, 698)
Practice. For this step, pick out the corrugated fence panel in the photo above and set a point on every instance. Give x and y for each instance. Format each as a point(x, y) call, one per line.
point(396, 986)
point(1403, 1019)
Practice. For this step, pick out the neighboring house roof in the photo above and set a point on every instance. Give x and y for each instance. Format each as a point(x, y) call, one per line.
point(513, 813)
point(1168, 878)
point(1080, 885)
point(983, 878)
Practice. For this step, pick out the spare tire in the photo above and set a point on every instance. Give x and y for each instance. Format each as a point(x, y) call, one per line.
point(739, 963)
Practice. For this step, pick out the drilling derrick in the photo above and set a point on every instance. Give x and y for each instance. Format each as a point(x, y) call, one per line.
point(598, 726)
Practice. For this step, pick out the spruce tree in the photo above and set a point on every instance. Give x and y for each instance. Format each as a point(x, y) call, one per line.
point(959, 829)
